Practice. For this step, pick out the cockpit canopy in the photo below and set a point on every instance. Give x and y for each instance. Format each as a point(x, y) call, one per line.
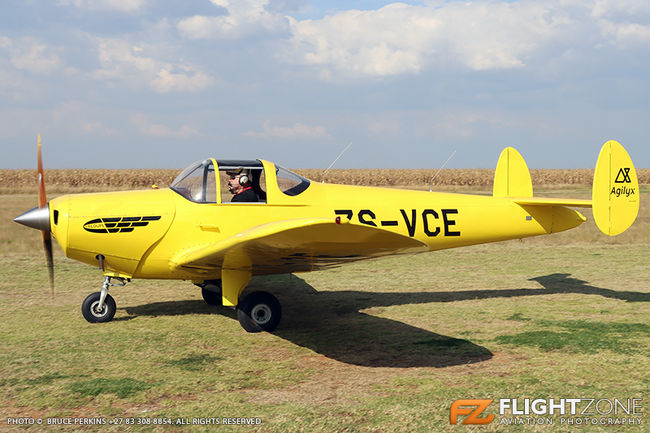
point(198, 182)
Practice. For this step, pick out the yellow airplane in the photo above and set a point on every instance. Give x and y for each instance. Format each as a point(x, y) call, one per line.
point(197, 230)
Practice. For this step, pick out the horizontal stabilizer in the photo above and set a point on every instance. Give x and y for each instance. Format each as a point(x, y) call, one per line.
point(541, 201)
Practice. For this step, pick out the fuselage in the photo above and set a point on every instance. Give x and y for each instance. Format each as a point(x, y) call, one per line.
point(140, 232)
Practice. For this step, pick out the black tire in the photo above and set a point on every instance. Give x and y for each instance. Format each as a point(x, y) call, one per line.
point(259, 311)
point(210, 297)
point(90, 312)
point(211, 291)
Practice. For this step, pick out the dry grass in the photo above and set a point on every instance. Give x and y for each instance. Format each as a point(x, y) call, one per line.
point(78, 180)
point(378, 346)
point(84, 180)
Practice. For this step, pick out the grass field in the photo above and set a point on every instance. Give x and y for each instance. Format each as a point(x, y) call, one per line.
point(377, 346)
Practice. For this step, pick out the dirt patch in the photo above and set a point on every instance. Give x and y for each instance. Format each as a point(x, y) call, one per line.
point(332, 382)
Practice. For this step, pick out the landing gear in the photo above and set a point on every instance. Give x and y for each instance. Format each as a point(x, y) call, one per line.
point(259, 311)
point(211, 291)
point(99, 307)
point(256, 312)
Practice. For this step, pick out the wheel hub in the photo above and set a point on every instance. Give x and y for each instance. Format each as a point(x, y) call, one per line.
point(96, 311)
point(261, 314)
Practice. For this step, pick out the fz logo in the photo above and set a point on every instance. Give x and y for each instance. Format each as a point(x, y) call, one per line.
point(471, 408)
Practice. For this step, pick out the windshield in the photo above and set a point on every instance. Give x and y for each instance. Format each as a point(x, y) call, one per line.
point(290, 183)
point(197, 182)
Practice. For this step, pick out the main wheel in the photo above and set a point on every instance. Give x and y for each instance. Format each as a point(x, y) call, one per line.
point(95, 315)
point(259, 311)
point(211, 291)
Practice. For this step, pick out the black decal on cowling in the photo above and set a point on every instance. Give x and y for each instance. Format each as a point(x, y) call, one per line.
point(118, 224)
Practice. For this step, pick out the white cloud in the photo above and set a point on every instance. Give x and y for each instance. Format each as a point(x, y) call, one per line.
point(298, 130)
point(31, 55)
point(384, 126)
point(127, 6)
point(626, 35)
point(123, 61)
point(184, 79)
point(98, 128)
point(145, 127)
point(404, 39)
point(622, 23)
point(241, 19)
point(617, 9)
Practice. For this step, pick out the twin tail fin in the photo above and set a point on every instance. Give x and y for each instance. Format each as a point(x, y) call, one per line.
point(615, 192)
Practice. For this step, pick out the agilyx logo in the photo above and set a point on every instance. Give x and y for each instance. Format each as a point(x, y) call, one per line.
point(471, 410)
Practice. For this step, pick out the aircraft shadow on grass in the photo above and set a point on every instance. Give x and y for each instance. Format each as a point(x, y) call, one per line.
point(331, 322)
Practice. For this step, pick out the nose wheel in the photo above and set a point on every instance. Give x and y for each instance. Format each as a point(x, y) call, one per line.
point(99, 307)
point(259, 311)
point(94, 313)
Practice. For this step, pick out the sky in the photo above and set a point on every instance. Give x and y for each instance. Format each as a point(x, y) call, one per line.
point(160, 84)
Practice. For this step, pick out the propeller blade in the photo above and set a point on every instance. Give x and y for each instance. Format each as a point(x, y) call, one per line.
point(42, 198)
point(42, 203)
point(47, 245)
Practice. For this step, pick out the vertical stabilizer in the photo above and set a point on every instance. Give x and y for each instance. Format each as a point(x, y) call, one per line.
point(615, 193)
point(512, 178)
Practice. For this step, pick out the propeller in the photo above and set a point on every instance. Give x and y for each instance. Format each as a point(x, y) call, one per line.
point(39, 217)
point(42, 204)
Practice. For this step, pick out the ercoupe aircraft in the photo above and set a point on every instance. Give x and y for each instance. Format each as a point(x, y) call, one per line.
point(197, 230)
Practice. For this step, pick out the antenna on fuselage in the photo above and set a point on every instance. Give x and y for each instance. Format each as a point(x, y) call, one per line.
point(439, 170)
point(334, 162)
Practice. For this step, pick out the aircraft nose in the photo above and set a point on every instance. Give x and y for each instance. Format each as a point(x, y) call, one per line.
point(37, 218)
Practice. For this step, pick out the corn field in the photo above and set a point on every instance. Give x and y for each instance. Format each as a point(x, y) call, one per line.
point(15, 181)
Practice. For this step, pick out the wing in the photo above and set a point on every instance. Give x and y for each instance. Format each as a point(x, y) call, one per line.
point(295, 246)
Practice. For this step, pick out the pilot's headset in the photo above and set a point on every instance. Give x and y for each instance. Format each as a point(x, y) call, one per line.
point(244, 179)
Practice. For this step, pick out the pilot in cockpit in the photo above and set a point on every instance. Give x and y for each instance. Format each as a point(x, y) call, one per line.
point(240, 185)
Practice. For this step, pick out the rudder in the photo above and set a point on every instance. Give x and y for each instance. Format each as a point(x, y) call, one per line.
point(615, 193)
point(512, 178)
